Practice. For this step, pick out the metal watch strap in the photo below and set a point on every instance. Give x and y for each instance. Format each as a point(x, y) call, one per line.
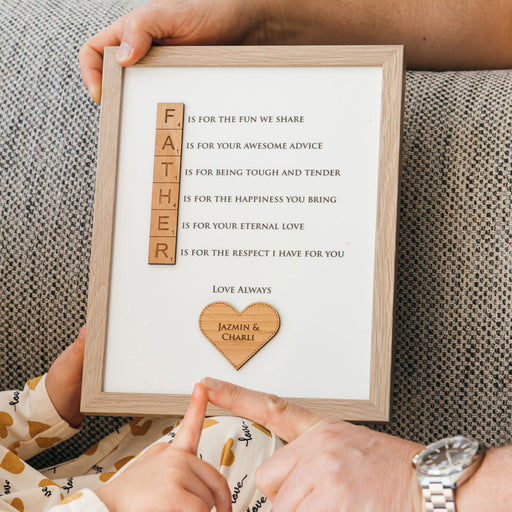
point(439, 498)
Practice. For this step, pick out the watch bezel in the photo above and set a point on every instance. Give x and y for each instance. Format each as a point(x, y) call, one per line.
point(474, 451)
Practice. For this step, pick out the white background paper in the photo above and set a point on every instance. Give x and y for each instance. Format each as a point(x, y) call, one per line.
point(322, 349)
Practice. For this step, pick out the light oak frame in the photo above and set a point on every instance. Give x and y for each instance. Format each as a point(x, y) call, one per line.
point(390, 58)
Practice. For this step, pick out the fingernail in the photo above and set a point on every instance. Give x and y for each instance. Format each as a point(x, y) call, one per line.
point(210, 383)
point(95, 92)
point(195, 391)
point(124, 52)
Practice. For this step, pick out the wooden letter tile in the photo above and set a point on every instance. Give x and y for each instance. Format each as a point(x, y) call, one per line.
point(165, 196)
point(169, 116)
point(168, 143)
point(163, 222)
point(162, 250)
point(166, 169)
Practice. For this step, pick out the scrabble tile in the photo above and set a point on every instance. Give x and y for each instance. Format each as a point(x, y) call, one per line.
point(168, 142)
point(163, 222)
point(169, 116)
point(165, 196)
point(162, 250)
point(166, 169)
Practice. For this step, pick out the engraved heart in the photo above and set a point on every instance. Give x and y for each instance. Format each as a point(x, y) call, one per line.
point(238, 336)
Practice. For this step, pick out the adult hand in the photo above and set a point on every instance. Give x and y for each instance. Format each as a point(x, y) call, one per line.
point(64, 381)
point(328, 465)
point(172, 22)
point(440, 36)
point(170, 477)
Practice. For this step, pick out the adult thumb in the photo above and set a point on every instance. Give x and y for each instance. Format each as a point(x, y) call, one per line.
point(138, 34)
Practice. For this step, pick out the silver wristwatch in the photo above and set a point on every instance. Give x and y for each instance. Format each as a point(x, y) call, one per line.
point(444, 465)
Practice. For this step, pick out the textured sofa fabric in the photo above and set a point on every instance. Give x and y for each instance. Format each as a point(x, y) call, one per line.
point(452, 365)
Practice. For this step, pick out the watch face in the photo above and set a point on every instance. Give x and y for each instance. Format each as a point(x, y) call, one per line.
point(447, 456)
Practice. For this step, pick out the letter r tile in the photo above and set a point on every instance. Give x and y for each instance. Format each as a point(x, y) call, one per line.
point(162, 250)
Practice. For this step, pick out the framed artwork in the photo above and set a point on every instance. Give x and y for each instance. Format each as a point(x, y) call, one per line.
point(245, 228)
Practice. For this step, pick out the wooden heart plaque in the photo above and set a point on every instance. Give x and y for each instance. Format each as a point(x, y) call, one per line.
point(238, 336)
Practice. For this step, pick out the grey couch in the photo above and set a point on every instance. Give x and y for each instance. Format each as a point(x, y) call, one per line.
point(452, 369)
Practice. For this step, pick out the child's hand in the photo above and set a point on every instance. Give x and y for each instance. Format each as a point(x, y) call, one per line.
point(64, 381)
point(170, 477)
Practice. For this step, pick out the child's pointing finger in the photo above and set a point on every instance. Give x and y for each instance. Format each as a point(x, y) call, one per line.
point(189, 433)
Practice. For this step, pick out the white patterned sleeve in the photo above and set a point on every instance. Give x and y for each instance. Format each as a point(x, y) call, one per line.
point(29, 422)
point(83, 501)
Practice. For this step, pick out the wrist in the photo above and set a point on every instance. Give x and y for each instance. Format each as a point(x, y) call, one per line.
point(444, 467)
point(488, 488)
point(107, 498)
point(415, 494)
point(282, 22)
point(303, 22)
point(261, 15)
point(66, 404)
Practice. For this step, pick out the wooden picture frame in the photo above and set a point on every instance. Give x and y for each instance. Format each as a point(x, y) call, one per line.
point(312, 59)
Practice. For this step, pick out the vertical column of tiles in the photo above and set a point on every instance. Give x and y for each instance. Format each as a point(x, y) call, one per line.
point(166, 184)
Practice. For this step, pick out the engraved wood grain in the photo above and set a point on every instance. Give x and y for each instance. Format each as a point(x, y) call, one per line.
point(390, 58)
point(239, 336)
